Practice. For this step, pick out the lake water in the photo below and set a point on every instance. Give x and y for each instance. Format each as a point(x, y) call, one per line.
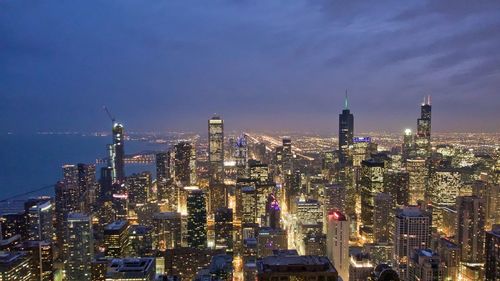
point(28, 162)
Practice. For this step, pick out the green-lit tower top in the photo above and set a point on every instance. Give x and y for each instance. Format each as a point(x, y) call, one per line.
point(346, 101)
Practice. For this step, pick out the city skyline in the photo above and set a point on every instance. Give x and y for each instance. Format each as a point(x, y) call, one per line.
point(267, 66)
point(327, 140)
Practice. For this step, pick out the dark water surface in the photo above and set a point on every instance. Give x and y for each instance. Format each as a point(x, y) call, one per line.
point(28, 162)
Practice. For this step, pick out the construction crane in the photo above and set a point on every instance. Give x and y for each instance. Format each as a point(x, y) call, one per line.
point(109, 114)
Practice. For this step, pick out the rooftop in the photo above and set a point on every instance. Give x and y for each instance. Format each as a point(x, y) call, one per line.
point(411, 211)
point(294, 263)
point(116, 225)
point(131, 265)
point(9, 257)
point(140, 229)
point(336, 215)
point(166, 215)
point(270, 231)
point(248, 189)
point(77, 217)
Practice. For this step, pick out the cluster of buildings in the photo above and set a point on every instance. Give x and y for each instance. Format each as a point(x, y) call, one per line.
point(245, 208)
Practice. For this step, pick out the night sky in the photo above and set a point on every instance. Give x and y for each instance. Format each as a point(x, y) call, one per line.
point(169, 65)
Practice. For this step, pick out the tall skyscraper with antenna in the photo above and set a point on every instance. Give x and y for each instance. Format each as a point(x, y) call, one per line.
point(346, 132)
point(423, 137)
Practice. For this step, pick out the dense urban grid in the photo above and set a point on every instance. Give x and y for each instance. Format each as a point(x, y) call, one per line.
point(253, 206)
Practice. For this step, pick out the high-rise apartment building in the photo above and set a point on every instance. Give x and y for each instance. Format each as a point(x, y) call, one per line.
point(39, 219)
point(41, 259)
point(338, 242)
point(78, 247)
point(183, 154)
point(412, 231)
point(470, 228)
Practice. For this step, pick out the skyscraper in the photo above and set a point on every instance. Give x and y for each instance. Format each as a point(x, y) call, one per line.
point(223, 226)
point(408, 148)
point(412, 231)
point(216, 149)
point(396, 183)
point(334, 200)
point(470, 228)
point(273, 212)
point(139, 188)
point(39, 219)
point(246, 204)
point(287, 156)
point(67, 200)
point(418, 179)
point(167, 232)
point(346, 132)
point(372, 183)
point(162, 166)
point(42, 263)
point(105, 182)
point(79, 247)
point(241, 154)
point(383, 218)
point(117, 152)
point(182, 163)
point(423, 137)
point(163, 178)
point(449, 253)
point(141, 241)
point(197, 219)
point(492, 247)
point(337, 238)
point(116, 238)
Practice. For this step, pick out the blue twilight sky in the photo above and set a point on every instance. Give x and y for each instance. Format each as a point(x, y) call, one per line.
point(263, 65)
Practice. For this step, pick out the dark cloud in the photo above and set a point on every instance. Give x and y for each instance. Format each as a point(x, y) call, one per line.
point(169, 65)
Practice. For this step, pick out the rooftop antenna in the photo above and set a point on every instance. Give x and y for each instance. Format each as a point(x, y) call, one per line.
point(109, 114)
point(429, 99)
point(346, 101)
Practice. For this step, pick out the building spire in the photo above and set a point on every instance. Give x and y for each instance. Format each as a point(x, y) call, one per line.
point(346, 100)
